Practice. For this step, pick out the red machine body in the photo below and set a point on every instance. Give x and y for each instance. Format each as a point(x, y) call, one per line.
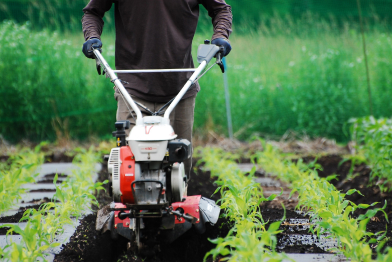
point(125, 222)
point(127, 174)
point(190, 207)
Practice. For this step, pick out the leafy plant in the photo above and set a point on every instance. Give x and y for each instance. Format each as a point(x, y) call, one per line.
point(74, 196)
point(19, 170)
point(373, 139)
point(327, 207)
point(248, 240)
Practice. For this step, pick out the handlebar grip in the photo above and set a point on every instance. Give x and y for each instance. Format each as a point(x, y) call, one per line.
point(206, 52)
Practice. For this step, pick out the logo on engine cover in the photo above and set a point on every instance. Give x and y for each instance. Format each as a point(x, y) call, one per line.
point(150, 148)
point(148, 129)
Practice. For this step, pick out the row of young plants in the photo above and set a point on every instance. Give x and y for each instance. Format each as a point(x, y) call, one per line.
point(249, 239)
point(72, 199)
point(373, 139)
point(18, 170)
point(327, 207)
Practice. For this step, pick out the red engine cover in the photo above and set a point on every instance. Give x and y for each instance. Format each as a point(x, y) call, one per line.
point(127, 174)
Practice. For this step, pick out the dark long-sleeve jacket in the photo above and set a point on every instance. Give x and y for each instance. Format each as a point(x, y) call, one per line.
point(155, 34)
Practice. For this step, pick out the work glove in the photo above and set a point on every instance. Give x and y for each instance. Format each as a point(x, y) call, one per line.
point(222, 42)
point(88, 47)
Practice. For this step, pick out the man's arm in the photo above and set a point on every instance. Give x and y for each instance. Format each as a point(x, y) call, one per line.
point(221, 15)
point(92, 22)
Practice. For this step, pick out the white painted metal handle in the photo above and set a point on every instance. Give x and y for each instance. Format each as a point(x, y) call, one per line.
point(119, 85)
point(154, 70)
point(128, 98)
point(185, 88)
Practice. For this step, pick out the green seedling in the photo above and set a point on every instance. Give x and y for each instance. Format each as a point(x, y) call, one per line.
point(248, 240)
point(373, 139)
point(75, 196)
point(21, 170)
point(327, 207)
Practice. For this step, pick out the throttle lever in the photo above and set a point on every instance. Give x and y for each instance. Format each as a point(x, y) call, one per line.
point(98, 65)
point(97, 62)
point(219, 59)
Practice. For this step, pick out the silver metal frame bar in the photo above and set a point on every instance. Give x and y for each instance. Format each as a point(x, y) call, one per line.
point(139, 117)
point(119, 85)
point(154, 70)
point(185, 88)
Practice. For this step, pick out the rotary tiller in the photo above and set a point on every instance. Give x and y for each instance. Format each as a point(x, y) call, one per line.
point(146, 171)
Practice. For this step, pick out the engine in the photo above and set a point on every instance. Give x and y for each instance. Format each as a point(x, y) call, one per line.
point(148, 185)
point(153, 182)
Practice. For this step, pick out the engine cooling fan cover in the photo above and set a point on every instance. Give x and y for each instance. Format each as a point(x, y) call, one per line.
point(178, 182)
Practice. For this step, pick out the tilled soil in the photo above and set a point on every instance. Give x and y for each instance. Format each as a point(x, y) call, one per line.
point(59, 156)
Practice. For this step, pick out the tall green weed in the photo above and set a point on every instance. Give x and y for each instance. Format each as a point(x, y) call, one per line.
point(308, 76)
point(48, 89)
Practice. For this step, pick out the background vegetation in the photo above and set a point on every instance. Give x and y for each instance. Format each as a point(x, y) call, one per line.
point(295, 65)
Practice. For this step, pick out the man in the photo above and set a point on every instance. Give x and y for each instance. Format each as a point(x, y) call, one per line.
point(156, 34)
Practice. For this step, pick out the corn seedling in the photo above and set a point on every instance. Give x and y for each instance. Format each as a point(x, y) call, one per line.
point(75, 196)
point(327, 207)
point(248, 240)
point(18, 171)
point(374, 140)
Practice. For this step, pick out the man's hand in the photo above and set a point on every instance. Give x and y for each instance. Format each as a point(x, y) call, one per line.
point(88, 47)
point(222, 42)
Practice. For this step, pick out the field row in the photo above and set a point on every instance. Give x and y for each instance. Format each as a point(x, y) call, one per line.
point(250, 238)
point(42, 226)
point(329, 210)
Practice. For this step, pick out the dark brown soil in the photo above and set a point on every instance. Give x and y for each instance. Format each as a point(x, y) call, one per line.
point(46, 181)
point(12, 219)
point(42, 190)
point(36, 201)
point(4, 158)
point(59, 157)
point(51, 176)
point(87, 245)
point(3, 231)
point(30, 207)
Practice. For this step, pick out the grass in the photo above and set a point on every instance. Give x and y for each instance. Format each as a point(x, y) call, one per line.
point(312, 84)
point(48, 89)
point(305, 76)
